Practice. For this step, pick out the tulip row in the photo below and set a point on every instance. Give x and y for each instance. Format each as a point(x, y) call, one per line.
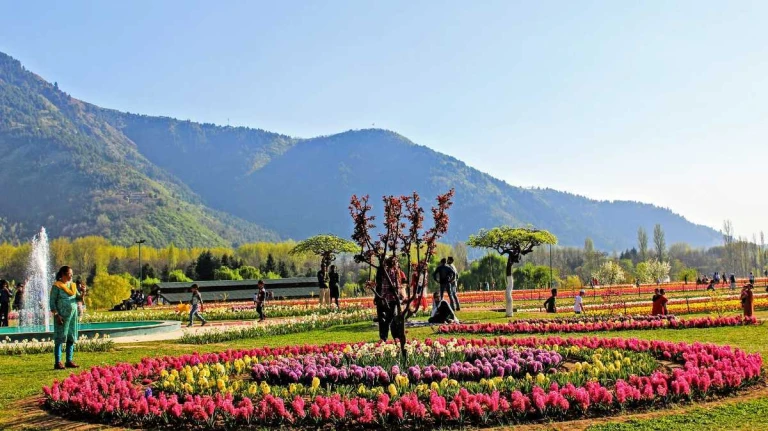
point(35, 346)
point(541, 326)
point(127, 394)
point(292, 326)
point(211, 313)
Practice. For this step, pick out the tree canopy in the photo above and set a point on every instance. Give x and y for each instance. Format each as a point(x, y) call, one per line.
point(326, 246)
point(513, 242)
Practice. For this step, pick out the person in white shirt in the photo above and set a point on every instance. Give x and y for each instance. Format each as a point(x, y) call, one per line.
point(578, 304)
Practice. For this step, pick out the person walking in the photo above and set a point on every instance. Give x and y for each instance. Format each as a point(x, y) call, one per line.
point(550, 305)
point(733, 282)
point(454, 285)
point(663, 299)
point(63, 305)
point(751, 278)
point(261, 297)
point(333, 286)
point(747, 300)
point(578, 302)
point(5, 302)
point(196, 303)
point(444, 275)
point(322, 283)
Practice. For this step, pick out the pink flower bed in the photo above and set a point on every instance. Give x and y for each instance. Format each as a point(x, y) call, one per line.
point(122, 394)
point(542, 326)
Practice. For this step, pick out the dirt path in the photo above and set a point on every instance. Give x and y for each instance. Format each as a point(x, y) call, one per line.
point(29, 416)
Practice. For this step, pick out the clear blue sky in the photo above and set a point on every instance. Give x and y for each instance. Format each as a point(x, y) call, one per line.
point(658, 101)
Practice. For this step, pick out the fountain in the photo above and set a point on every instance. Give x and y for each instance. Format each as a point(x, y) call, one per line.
point(35, 316)
point(35, 312)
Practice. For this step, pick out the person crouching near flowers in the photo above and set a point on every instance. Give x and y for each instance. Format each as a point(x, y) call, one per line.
point(63, 303)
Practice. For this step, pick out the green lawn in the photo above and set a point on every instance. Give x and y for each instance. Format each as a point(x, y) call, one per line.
point(23, 376)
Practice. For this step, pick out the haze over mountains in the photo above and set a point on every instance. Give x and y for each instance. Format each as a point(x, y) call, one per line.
point(80, 169)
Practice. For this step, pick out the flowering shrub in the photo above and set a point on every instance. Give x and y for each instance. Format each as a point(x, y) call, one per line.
point(593, 324)
point(363, 384)
point(35, 346)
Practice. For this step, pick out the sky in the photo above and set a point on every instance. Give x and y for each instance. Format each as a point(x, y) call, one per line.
point(655, 101)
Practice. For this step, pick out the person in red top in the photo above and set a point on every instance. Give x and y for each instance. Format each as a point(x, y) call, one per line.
point(659, 304)
point(747, 300)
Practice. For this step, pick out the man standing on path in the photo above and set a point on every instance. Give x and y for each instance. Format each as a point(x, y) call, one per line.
point(196, 304)
point(444, 275)
point(454, 285)
point(261, 296)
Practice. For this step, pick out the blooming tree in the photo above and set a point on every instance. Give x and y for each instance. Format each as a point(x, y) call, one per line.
point(609, 273)
point(402, 235)
point(658, 270)
point(326, 246)
point(514, 243)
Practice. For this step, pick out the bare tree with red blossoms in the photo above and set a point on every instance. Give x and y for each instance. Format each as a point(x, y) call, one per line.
point(398, 294)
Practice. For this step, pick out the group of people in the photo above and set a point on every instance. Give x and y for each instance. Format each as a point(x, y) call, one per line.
point(6, 294)
point(659, 303)
point(328, 281)
point(550, 305)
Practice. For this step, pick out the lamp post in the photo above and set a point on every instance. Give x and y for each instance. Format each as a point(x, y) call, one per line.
point(141, 268)
point(551, 281)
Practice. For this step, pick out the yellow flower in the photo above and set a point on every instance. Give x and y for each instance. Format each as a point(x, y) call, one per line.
point(540, 379)
point(220, 384)
point(434, 386)
point(164, 373)
point(315, 383)
point(253, 389)
point(264, 388)
point(361, 390)
point(392, 390)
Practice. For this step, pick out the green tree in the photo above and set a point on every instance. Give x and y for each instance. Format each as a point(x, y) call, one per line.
point(659, 243)
point(107, 291)
point(326, 246)
point(643, 272)
point(269, 265)
point(642, 242)
point(514, 243)
point(226, 273)
point(206, 265)
point(282, 269)
point(249, 273)
point(178, 276)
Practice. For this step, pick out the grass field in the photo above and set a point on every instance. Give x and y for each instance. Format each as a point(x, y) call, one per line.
point(23, 376)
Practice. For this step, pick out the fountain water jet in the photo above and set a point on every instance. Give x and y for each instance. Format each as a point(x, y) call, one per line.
point(35, 321)
point(35, 312)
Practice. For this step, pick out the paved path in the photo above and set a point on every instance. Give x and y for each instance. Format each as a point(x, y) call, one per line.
point(174, 335)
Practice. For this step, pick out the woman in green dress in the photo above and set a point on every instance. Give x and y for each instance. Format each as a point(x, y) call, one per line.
point(63, 303)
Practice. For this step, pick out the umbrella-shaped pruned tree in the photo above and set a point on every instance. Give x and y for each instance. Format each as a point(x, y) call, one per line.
point(326, 246)
point(401, 235)
point(514, 243)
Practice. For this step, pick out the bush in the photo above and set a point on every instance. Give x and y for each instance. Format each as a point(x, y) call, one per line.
point(178, 276)
point(249, 273)
point(107, 291)
point(225, 273)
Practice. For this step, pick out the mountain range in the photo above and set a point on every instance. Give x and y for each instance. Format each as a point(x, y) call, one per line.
point(80, 169)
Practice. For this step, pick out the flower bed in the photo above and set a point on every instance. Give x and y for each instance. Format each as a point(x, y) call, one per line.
point(35, 346)
point(292, 326)
point(443, 383)
point(219, 312)
point(594, 324)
